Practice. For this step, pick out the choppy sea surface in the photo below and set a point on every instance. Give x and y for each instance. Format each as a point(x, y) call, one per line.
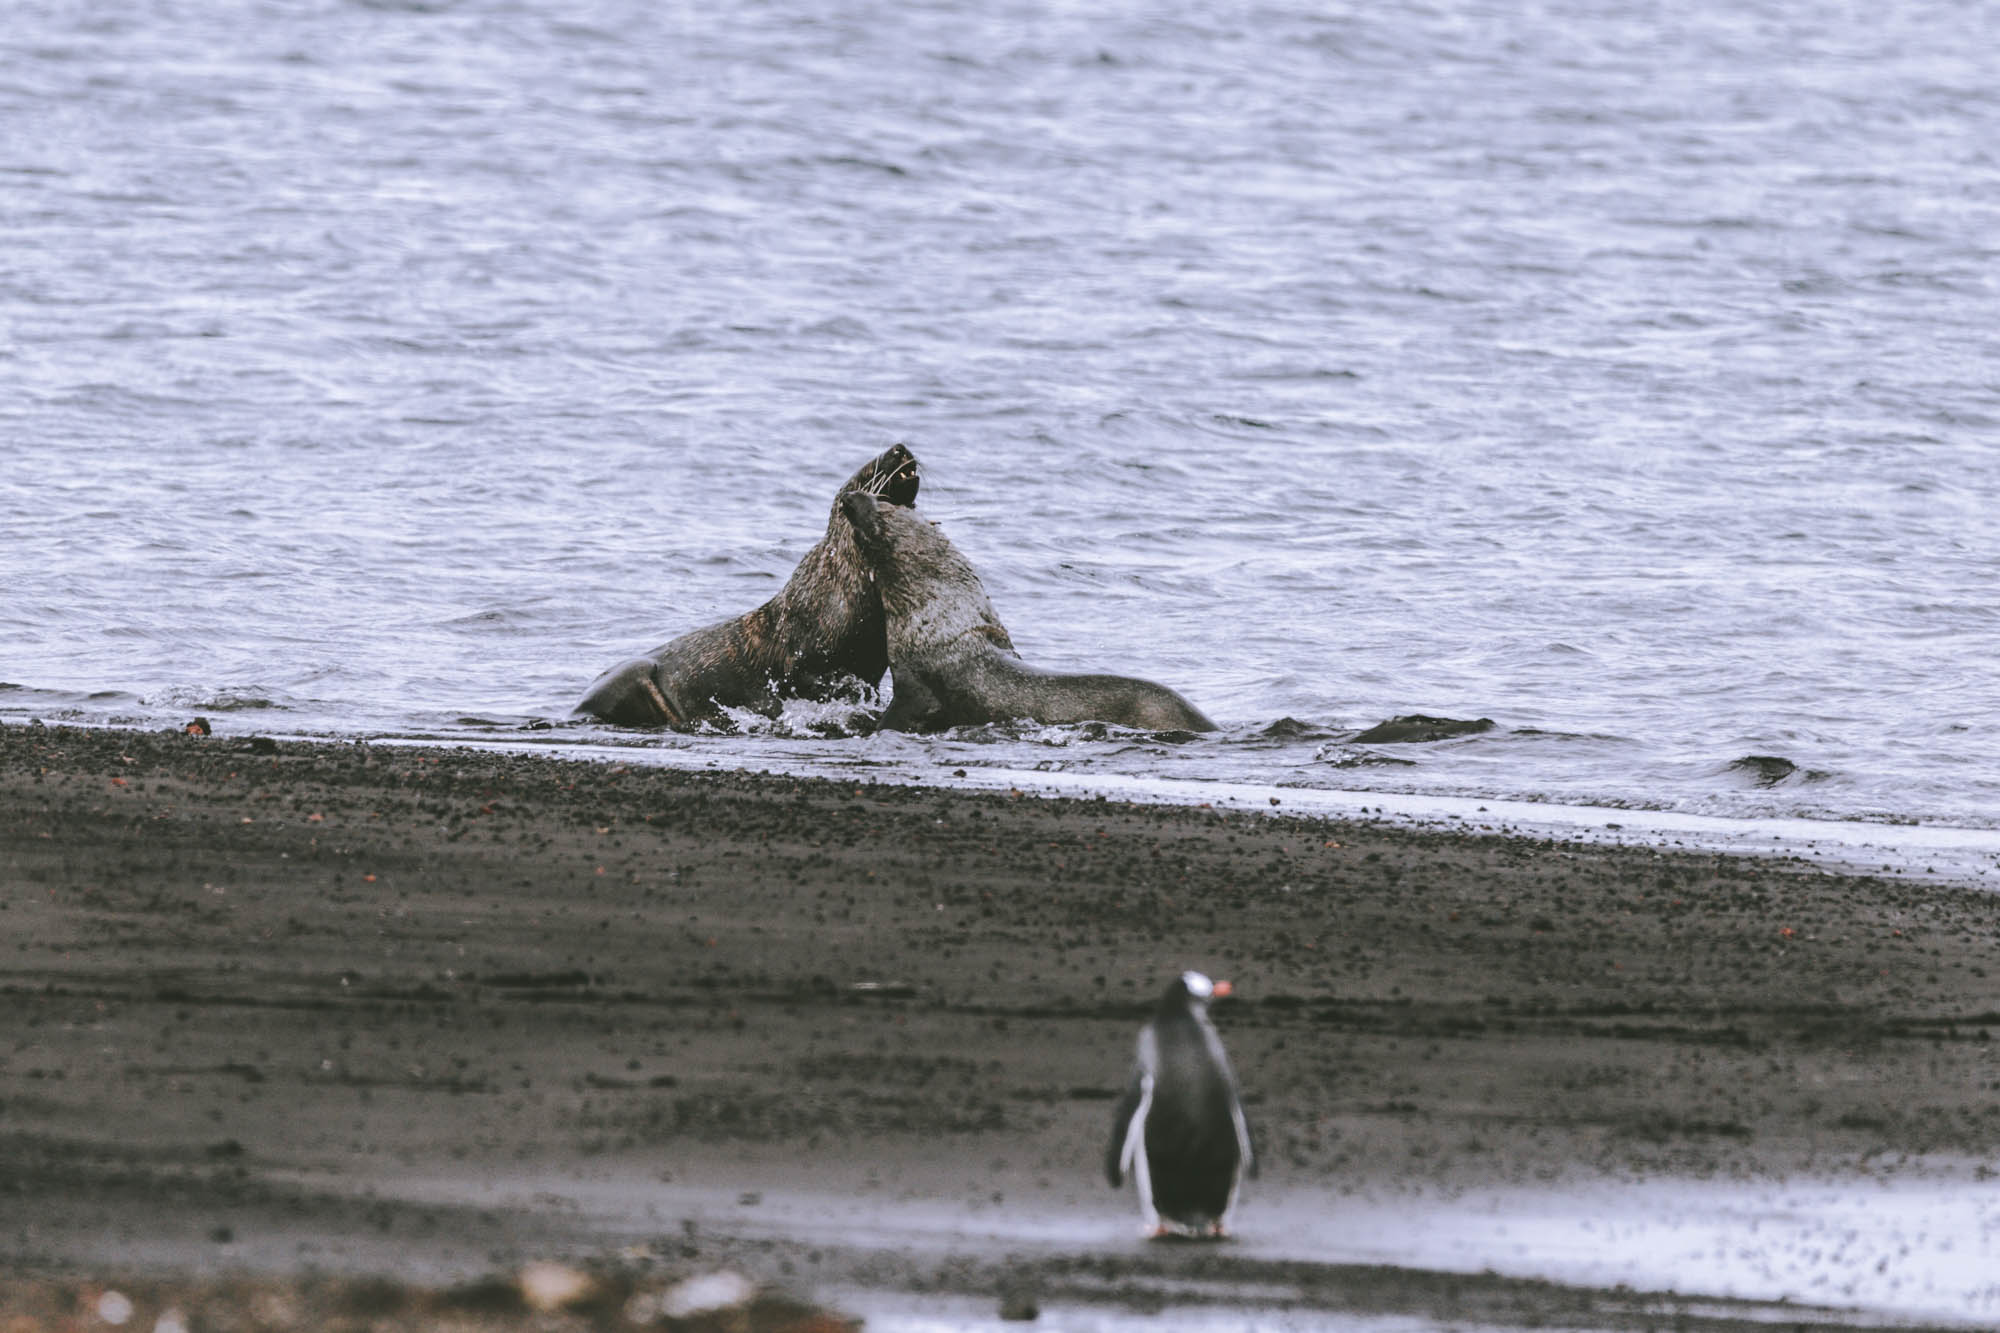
point(1627, 374)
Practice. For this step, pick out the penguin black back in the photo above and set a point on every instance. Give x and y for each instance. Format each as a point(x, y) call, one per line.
point(1180, 1128)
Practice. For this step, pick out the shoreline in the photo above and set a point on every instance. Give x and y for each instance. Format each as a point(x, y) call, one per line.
point(1864, 839)
point(1938, 850)
point(1968, 854)
point(265, 989)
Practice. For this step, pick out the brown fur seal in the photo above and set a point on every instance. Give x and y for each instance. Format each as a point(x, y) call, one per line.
point(824, 626)
point(951, 658)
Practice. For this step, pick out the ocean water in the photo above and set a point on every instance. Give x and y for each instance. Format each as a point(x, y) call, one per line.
point(1625, 373)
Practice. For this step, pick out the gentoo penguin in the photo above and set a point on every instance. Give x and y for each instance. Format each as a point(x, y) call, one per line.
point(1179, 1129)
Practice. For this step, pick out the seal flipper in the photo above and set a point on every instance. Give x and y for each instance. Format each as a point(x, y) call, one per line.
point(913, 707)
point(629, 695)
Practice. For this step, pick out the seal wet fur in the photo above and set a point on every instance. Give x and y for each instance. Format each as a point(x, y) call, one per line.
point(823, 627)
point(950, 657)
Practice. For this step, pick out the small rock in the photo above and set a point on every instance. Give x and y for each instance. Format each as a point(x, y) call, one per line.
point(548, 1287)
point(712, 1291)
point(1019, 1304)
point(643, 1308)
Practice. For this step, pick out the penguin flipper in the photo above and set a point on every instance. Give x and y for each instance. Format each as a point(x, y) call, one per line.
point(1116, 1154)
point(1245, 1144)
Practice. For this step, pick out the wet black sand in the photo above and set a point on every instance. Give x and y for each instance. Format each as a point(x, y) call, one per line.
point(246, 991)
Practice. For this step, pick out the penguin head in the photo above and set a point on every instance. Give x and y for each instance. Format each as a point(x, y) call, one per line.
point(1195, 990)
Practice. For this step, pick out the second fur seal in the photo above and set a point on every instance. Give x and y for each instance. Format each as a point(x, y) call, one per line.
point(824, 626)
point(952, 660)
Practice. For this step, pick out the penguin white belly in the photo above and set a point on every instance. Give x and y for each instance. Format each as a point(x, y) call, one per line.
point(1133, 1159)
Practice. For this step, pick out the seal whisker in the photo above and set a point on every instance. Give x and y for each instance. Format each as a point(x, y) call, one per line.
point(883, 477)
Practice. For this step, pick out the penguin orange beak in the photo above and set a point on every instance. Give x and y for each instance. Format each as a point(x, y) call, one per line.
point(1223, 988)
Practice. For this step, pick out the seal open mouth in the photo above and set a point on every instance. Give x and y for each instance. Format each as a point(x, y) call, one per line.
point(892, 477)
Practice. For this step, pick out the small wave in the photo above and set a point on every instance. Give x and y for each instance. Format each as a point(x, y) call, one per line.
point(841, 328)
point(1285, 730)
point(211, 700)
point(1419, 728)
point(22, 699)
point(407, 6)
point(1548, 734)
point(1772, 770)
point(853, 713)
point(1349, 756)
point(498, 618)
point(1060, 735)
point(474, 722)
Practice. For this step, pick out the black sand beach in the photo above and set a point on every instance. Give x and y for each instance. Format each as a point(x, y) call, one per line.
point(291, 1012)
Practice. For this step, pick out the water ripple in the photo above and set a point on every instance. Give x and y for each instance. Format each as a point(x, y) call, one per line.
point(1613, 376)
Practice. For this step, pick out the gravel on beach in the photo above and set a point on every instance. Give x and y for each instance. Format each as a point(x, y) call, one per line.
point(233, 971)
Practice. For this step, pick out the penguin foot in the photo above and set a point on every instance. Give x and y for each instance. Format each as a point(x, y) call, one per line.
point(1196, 1232)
